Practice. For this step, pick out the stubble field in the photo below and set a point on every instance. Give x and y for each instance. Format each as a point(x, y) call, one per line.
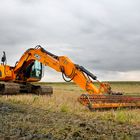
point(27, 117)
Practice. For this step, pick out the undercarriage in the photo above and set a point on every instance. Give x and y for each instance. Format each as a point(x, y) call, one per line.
point(11, 88)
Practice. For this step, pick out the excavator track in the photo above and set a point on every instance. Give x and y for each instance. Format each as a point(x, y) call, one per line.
point(109, 101)
point(7, 88)
point(41, 89)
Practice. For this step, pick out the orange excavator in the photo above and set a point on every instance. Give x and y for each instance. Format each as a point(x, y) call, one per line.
point(29, 69)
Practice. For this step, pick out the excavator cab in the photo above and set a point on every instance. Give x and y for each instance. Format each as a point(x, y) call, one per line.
point(34, 71)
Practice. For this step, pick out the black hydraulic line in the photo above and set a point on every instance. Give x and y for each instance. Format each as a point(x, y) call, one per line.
point(48, 53)
point(81, 68)
point(64, 76)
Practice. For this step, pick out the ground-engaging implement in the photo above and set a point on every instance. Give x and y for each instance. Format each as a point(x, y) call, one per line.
point(29, 68)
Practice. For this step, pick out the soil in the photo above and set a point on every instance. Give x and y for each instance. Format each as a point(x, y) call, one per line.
point(22, 122)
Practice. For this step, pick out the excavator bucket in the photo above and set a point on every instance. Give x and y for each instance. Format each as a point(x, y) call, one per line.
point(109, 101)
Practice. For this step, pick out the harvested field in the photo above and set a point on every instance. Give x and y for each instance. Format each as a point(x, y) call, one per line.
point(27, 117)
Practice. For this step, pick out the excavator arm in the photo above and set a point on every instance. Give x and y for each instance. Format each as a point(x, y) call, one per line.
point(78, 74)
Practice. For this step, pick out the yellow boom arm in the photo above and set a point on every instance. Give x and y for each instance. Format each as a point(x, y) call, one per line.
point(78, 74)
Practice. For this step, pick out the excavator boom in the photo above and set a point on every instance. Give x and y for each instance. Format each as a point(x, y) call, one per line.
point(78, 74)
point(29, 69)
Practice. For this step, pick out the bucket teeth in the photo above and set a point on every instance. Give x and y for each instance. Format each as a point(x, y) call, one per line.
point(109, 101)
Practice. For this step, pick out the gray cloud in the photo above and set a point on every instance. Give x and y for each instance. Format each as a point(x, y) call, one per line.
point(102, 35)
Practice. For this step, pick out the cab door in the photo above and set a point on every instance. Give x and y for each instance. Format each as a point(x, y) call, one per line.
point(34, 71)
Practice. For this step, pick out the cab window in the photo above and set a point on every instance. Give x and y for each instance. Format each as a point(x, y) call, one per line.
point(36, 70)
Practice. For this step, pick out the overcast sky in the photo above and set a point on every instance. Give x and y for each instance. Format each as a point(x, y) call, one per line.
point(102, 35)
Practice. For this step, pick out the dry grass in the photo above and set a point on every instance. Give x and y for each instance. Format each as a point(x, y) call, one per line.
point(65, 97)
point(63, 117)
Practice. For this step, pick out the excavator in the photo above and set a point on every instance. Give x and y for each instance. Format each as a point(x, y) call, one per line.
point(19, 79)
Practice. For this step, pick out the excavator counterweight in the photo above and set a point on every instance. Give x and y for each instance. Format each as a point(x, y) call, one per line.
point(19, 79)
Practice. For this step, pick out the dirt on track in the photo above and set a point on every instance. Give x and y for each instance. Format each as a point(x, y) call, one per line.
point(23, 122)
